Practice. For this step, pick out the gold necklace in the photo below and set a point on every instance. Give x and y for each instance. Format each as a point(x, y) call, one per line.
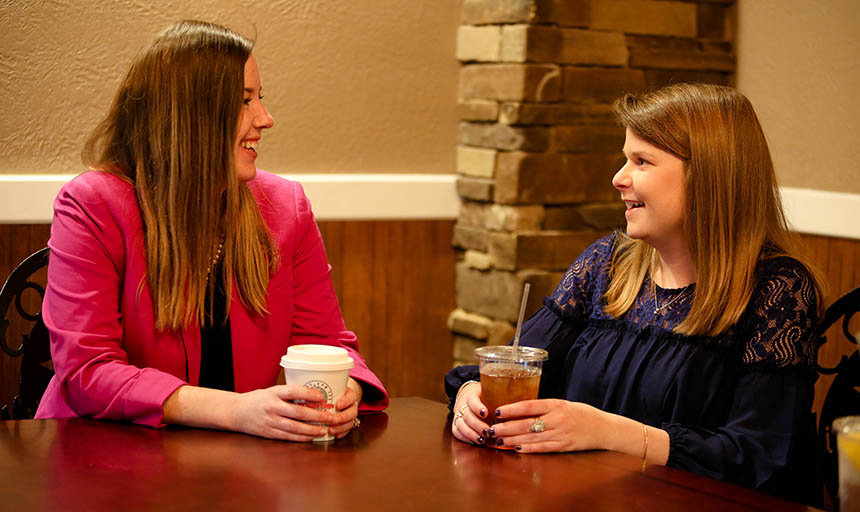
point(658, 309)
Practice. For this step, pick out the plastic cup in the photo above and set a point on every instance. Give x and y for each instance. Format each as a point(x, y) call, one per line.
point(321, 367)
point(509, 375)
point(847, 431)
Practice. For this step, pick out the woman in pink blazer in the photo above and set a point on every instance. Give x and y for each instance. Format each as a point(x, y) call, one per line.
point(179, 273)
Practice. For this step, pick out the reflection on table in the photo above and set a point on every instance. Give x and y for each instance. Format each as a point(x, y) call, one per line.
point(404, 459)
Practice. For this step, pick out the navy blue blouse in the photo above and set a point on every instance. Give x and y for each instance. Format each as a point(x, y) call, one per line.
point(736, 407)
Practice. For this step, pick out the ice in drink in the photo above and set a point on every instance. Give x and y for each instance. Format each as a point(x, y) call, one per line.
point(502, 384)
point(509, 375)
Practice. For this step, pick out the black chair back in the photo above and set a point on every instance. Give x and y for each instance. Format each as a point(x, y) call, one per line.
point(843, 397)
point(34, 349)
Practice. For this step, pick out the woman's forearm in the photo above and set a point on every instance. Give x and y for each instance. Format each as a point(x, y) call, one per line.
point(628, 436)
point(212, 408)
point(201, 407)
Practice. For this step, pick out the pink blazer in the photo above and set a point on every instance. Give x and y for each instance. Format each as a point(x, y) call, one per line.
point(109, 360)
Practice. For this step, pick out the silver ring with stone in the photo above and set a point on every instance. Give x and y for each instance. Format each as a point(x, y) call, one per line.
point(356, 422)
point(538, 426)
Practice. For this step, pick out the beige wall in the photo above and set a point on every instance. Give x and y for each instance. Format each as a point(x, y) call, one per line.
point(798, 63)
point(371, 86)
point(353, 86)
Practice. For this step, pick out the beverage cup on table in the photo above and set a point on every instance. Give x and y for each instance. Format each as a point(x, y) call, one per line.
point(321, 367)
point(508, 374)
point(847, 431)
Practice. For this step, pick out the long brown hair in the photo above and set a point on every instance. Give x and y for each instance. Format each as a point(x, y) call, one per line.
point(171, 131)
point(733, 213)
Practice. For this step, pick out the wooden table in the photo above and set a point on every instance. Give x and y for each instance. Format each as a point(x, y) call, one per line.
point(404, 459)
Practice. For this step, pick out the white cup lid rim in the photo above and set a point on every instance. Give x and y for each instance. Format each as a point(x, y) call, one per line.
point(317, 357)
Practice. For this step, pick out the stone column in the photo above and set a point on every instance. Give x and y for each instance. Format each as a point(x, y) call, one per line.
point(538, 144)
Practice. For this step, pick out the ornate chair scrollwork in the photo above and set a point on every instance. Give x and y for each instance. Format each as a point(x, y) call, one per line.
point(34, 349)
point(843, 397)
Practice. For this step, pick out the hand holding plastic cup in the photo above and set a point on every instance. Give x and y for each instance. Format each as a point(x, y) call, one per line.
point(509, 374)
point(321, 367)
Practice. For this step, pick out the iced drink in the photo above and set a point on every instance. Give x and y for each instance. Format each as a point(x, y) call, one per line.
point(848, 446)
point(502, 385)
point(508, 376)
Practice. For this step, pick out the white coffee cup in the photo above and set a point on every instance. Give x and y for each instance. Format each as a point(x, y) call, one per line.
point(321, 367)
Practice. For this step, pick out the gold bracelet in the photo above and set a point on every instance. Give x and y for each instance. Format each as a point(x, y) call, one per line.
point(645, 455)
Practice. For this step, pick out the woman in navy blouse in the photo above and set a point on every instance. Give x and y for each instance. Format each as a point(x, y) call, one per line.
point(688, 340)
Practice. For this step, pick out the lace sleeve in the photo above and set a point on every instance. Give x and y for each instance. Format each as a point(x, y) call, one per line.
point(579, 288)
point(782, 316)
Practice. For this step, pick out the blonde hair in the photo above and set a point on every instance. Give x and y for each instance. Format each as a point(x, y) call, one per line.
point(170, 131)
point(733, 213)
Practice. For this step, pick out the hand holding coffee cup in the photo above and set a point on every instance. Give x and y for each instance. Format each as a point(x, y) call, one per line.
point(346, 410)
point(325, 369)
point(271, 413)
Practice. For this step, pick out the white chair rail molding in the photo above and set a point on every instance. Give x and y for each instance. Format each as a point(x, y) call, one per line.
point(28, 199)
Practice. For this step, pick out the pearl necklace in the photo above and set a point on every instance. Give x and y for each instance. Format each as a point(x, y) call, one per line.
point(216, 257)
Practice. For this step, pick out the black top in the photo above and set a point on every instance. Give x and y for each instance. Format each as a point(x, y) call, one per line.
point(736, 406)
point(216, 357)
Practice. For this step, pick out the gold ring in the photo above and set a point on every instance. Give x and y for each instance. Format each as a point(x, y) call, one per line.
point(356, 422)
point(463, 409)
point(456, 417)
point(538, 426)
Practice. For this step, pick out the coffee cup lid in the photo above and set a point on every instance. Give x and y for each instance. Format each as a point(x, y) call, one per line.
point(317, 357)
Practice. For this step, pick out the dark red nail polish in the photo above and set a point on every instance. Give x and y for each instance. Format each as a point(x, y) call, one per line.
point(485, 432)
point(500, 442)
point(483, 412)
point(492, 431)
point(498, 413)
point(518, 447)
point(480, 440)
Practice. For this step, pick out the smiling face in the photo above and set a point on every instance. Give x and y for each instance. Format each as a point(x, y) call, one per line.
point(253, 119)
point(651, 183)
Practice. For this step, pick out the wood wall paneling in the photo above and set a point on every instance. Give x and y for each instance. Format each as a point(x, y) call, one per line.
point(838, 261)
point(395, 283)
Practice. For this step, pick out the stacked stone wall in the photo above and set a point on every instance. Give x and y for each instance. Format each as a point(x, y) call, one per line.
point(538, 143)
